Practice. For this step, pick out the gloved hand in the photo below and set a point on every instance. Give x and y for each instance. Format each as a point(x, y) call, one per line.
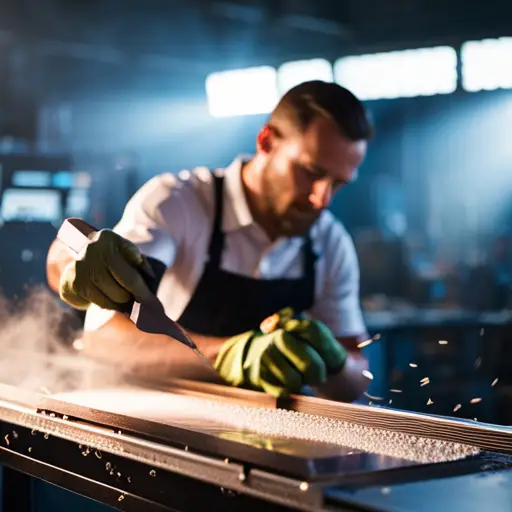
point(282, 356)
point(107, 274)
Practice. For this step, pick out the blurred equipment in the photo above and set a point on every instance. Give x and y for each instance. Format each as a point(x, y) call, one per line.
point(42, 188)
point(37, 191)
point(23, 256)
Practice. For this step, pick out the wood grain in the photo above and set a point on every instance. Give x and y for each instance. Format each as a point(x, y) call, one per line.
point(482, 435)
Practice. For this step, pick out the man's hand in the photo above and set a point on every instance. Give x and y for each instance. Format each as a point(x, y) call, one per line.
point(107, 274)
point(293, 354)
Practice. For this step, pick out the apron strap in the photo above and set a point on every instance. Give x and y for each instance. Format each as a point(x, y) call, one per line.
point(217, 237)
point(310, 258)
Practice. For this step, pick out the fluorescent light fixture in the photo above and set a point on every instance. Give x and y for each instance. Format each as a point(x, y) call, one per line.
point(293, 73)
point(242, 92)
point(487, 64)
point(400, 74)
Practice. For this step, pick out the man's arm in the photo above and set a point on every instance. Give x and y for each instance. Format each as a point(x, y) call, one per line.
point(144, 223)
point(57, 259)
point(350, 383)
point(340, 309)
point(119, 343)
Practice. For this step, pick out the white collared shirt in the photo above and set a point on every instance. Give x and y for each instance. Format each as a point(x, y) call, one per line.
point(171, 218)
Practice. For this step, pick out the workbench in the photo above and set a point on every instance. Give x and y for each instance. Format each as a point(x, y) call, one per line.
point(156, 453)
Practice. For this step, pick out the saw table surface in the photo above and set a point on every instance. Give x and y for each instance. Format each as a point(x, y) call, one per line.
point(248, 426)
point(132, 447)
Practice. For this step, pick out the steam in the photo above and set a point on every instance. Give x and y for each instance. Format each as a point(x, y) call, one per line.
point(37, 347)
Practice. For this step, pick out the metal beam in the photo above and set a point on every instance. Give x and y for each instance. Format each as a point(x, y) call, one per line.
point(108, 54)
point(284, 14)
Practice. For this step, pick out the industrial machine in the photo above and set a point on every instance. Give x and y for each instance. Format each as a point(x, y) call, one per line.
point(36, 193)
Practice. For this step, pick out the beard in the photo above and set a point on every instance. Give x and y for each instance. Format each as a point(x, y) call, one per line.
point(296, 223)
point(290, 217)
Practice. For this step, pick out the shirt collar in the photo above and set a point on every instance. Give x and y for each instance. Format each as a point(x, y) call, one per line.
point(236, 210)
point(236, 214)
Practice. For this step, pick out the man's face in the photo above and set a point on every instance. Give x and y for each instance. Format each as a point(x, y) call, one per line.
point(303, 171)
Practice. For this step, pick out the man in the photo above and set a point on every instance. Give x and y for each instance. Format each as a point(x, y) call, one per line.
point(241, 244)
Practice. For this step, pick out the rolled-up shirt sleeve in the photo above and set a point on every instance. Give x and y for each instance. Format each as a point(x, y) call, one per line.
point(338, 303)
point(155, 220)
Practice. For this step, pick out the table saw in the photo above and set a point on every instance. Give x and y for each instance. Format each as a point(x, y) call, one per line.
point(190, 446)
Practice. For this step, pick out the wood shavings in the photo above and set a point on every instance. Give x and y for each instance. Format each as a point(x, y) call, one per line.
point(430, 402)
point(413, 365)
point(482, 332)
point(395, 391)
point(457, 407)
point(367, 374)
point(78, 344)
point(365, 343)
point(478, 363)
point(369, 342)
point(425, 381)
point(442, 342)
point(270, 323)
point(373, 397)
point(475, 400)
point(390, 402)
point(494, 382)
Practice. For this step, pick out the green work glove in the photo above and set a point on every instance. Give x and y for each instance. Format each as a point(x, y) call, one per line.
point(318, 335)
point(107, 274)
point(293, 354)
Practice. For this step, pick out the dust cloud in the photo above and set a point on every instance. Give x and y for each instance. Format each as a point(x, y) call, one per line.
point(36, 347)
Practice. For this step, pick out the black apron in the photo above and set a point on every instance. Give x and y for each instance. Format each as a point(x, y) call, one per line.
point(226, 304)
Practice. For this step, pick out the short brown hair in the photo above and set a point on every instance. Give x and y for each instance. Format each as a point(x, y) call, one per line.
point(301, 104)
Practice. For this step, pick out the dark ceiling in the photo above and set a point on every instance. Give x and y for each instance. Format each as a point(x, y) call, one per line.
point(206, 31)
point(53, 51)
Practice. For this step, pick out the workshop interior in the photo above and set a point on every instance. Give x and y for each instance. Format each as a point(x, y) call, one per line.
point(98, 97)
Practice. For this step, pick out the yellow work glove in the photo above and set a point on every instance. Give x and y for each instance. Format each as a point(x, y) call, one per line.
point(282, 356)
point(107, 273)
